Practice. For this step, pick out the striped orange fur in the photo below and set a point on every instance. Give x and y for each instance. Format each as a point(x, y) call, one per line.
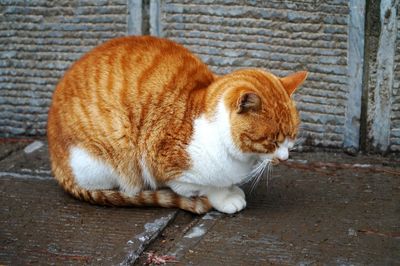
point(135, 99)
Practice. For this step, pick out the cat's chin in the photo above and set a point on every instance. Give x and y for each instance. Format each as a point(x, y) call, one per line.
point(266, 158)
point(275, 161)
point(263, 158)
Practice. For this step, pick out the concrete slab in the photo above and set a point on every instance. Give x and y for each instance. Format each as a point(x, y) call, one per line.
point(318, 209)
point(40, 224)
point(7, 147)
point(30, 162)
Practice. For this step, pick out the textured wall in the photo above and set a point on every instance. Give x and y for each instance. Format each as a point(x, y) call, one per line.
point(382, 77)
point(39, 39)
point(395, 115)
point(281, 37)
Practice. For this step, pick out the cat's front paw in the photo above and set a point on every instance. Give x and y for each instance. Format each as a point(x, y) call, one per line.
point(228, 200)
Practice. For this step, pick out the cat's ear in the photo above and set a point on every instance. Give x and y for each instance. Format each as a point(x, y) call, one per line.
point(248, 101)
point(293, 81)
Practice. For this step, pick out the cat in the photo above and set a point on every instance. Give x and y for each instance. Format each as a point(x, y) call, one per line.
point(141, 121)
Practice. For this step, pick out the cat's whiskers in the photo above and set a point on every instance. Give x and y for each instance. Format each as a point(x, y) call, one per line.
point(269, 173)
point(261, 170)
point(249, 177)
point(257, 177)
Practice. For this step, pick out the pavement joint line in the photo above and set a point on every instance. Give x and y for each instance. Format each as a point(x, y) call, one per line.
point(36, 171)
point(135, 246)
point(25, 176)
point(4, 156)
point(194, 235)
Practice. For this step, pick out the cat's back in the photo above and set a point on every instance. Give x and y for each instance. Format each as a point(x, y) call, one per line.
point(128, 62)
point(125, 72)
point(120, 92)
point(128, 71)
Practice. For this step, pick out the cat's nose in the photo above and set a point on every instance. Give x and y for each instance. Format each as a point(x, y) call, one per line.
point(283, 160)
point(282, 154)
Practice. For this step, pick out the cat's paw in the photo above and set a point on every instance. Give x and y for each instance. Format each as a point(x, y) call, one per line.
point(230, 200)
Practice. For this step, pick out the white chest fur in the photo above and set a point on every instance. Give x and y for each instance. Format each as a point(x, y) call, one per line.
point(215, 159)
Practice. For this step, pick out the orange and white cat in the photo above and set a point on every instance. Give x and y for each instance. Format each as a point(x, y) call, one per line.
point(139, 115)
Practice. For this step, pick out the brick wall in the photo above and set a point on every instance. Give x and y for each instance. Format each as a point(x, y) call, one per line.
point(38, 41)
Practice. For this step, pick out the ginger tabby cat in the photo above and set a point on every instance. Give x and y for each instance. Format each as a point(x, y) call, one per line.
point(139, 115)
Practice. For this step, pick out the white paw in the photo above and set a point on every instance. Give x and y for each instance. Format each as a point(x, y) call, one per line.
point(228, 200)
point(238, 190)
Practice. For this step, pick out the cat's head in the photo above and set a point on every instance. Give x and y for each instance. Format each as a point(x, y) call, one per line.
point(263, 117)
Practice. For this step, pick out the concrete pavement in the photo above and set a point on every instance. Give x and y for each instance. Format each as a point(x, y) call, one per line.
point(40, 224)
point(319, 208)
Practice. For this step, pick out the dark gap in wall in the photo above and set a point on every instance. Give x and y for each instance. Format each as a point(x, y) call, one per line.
point(372, 32)
point(146, 17)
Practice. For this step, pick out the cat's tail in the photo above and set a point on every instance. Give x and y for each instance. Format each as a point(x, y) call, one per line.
point(162, 198)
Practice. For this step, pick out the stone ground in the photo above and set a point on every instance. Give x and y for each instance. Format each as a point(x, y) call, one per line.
point(319, 208)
